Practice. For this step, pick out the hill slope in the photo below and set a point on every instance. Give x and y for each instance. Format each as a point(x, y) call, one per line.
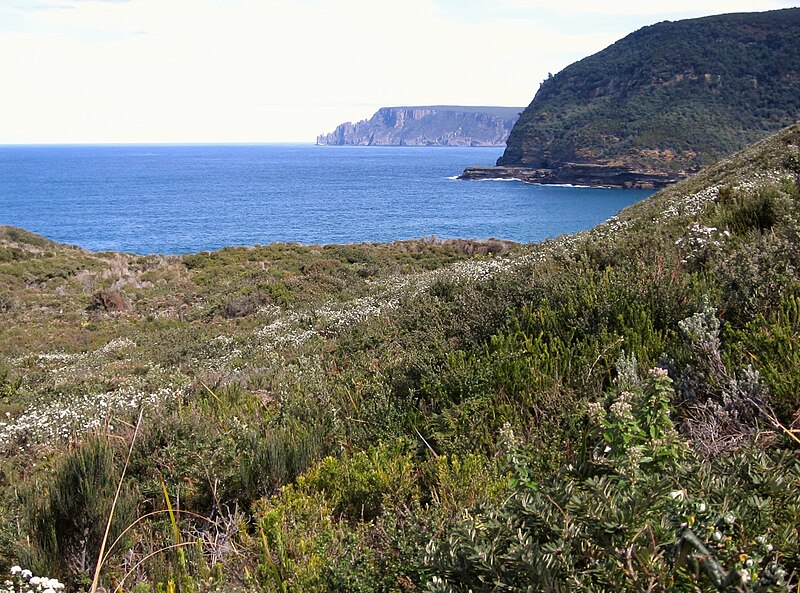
point(438, 125)
point(661, 103)
point(613, 410)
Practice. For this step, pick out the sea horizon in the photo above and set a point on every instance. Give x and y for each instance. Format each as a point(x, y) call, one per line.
point(185, 198)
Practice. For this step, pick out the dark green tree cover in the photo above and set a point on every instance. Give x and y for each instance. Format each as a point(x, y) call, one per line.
point(671, 97)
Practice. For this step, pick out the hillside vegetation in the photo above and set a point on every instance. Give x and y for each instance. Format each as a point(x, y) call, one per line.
point(616, 410)
point(668, 98)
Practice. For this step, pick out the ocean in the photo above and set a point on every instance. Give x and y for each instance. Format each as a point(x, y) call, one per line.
point(186, 198)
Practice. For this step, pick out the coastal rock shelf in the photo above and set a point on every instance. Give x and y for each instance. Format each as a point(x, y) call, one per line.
point(574, 174)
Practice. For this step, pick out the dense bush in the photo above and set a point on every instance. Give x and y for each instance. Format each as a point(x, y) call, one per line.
point(615, 410)
point(638, 512)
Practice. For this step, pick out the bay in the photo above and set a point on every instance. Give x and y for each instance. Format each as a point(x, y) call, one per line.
point(177, 199)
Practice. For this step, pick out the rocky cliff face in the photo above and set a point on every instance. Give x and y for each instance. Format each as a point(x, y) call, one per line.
point(661, 103)
point(428, 126)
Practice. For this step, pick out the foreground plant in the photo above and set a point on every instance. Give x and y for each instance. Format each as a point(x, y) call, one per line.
point(23, 581)
point(627, 518)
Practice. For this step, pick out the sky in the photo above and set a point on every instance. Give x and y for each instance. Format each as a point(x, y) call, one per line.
point(186, 71)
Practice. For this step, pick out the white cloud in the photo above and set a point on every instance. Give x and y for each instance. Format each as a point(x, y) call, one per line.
point(266, 70)
point(652, 7)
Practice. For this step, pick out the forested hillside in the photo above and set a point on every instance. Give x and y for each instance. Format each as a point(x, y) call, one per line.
point(665, 100)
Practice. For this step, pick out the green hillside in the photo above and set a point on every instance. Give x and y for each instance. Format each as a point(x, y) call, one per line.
point(668, 98)
point(617, 410)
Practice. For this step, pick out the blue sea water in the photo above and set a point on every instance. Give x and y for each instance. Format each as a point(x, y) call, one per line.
point(177, 199)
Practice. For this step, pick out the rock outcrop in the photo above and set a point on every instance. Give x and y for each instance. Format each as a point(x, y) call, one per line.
point(575, 174)
point(660, 104)
point(441, 125)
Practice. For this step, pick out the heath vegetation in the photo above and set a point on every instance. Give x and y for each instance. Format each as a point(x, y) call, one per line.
point(613, 410)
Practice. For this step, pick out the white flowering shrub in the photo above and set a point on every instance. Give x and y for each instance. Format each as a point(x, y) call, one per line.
point(725, 408)
point(692, 204)
point(23, 581)
point(62, 419)
point(636, 428)
point(701, 242)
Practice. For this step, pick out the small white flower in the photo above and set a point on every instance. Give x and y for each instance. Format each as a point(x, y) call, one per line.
point(701, 508)
point(745, 576)
point(26, 574)
point(717, 536)
point(16, 569)
point(677, 495)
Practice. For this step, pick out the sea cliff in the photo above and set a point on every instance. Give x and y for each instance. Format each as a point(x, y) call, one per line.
point(442, 125)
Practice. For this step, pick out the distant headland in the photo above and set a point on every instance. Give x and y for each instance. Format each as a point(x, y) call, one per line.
point(435, 125)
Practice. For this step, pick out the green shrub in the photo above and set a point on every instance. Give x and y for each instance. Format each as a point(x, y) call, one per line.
point(67, 513)
point(749, 213)
point(625, 526)
point(189, 453)
point(637, 431)
point(272, 456)
point(772, 345)
point(8, 387)
point(359, 487)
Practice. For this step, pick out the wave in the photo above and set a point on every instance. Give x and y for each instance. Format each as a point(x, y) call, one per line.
point(577, 185)
point(569, 185)
point(499, 179)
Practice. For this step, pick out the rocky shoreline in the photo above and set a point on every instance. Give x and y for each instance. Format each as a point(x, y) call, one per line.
point(575, 174)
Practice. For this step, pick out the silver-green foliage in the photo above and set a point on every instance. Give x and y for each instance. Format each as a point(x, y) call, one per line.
point(626, 518)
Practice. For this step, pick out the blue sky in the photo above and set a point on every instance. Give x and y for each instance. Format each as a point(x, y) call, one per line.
point(286, 70)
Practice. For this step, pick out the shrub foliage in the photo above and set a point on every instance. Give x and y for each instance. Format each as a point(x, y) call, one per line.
point(615, 410)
